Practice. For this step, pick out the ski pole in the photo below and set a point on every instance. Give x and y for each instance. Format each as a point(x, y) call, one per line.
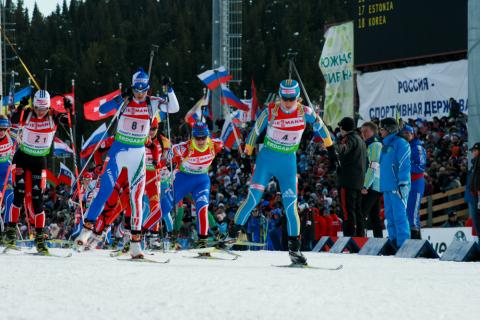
point(294, 68)
point(153, 49)
point(75, 165)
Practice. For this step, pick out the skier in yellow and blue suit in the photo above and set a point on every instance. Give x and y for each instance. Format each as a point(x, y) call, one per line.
point(285, 122)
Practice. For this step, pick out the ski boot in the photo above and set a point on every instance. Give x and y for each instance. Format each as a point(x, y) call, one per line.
point(115, 243)
point(11, 237)
point(135, 246)
point(223, 240)
point(127, 236)
point(40, 243)
point(297, 258)
point(82, 239)
point(415, 234)
point(202, 243)
point(93, 241)
point(153, 242)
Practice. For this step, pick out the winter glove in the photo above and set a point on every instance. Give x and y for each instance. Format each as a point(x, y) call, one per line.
point(248, 150)
point(127, 93)
point(403, 189)
point(67, 105)
point(167, 82)
point(24, 102)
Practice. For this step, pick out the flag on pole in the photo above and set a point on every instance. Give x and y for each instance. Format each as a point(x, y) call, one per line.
point(13, 99)
point(103, 107)
point(228, 134)
point(89, 145)
point(60, 147)
point(195, 114)
point(229, 98)
point(56, 102)
point(214, 78)
point(65, 175)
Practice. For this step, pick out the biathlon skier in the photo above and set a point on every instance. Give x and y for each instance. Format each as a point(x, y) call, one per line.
point(128, 153)
point(38, 126)
point(284, 122)
point(193, 159)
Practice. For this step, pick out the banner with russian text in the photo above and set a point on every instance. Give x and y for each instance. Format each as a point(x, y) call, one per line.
point(415, 92)
point(336, 64)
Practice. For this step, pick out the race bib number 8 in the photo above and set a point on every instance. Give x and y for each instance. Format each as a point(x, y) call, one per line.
point(138, 126)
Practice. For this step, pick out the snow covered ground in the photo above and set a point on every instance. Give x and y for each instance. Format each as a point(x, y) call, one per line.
point(93, 285)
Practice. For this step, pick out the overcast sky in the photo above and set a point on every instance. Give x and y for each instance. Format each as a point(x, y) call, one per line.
point(46, 6)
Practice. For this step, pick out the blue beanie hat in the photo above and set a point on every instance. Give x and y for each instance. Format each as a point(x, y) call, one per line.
point(289, 89)
point(200, 129)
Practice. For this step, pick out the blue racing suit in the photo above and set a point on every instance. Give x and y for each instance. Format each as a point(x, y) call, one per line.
point(277, 158)
point(418, 162)
point(395, 185)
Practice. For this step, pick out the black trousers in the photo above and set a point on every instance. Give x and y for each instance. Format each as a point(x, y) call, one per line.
point(23, 163)
point(353, 220)
point(371, 210)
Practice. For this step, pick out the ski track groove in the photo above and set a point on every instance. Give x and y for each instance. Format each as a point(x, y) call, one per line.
point(92, 285)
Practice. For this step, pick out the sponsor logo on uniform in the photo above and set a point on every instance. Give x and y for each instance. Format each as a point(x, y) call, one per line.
point(289, 194)
point(289, 123)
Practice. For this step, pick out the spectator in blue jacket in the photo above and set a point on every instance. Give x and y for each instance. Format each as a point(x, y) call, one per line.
point(418, 162)
point(472, 189)
point(395, 180)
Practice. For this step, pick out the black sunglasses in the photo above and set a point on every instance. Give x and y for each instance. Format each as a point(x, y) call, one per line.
point(200, 138)
point(288, 99)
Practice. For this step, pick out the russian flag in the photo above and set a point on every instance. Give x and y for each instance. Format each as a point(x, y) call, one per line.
point(229, 98)
point(228, 135)
point(214, 78)
point(97, 136)
point(195, 114)
point(103, 107)
point(60, 147)
point(65, 175)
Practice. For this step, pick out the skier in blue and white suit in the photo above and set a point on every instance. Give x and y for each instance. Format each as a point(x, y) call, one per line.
point(418, 164)
point(395, 180)
point(128, 153)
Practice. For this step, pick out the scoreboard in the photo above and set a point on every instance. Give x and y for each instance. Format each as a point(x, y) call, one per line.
point(396, 30)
